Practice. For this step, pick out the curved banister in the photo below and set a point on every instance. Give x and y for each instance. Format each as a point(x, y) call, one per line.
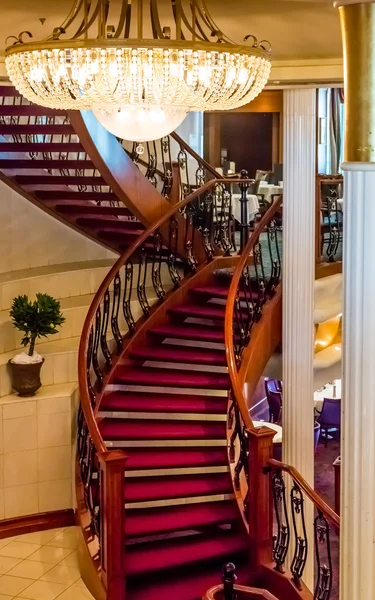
point(229, 314)
point(325, 509)
point(195, 155)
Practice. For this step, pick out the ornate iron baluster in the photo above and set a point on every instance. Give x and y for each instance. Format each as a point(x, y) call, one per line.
point(95, 361)
point(190, 214)
point(323, 586)
point(126, 302)
point(260, 280)
point(88, 365)
point(182, 159)
point(173, 245)
point(301, 544)
point(275, 261)
point(282, 538)
point(156, 266)
point(167, 165)
point(115, 311)
point(104, 329)
point(207, 224)
point(141, 285)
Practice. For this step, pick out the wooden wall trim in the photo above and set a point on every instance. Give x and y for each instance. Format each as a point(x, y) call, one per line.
point(39, 522)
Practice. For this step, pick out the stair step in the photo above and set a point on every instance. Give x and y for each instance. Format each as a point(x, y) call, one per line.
point(175, 458)
point(168, 554)
point(189, 584)
point(180, 355)
point(184, 517)
point(7, 91)
point(205, 311)
point(142, 429)
point(141, 402)
point(212, 291)
point(187, 332)
point(36, 129)
point(41, 147)
point(111, 221)
point(58, 179)
point(164, 487)
point(115, 235)
point(90, 209)
point(31, 110)
point(9, 163)
point(58, 195)
point(171, 378)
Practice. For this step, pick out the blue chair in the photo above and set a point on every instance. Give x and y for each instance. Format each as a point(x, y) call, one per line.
point(316, 434)
point(330, 418)
point(275, 400)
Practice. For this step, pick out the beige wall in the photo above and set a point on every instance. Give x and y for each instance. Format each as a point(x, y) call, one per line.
point(31, 238)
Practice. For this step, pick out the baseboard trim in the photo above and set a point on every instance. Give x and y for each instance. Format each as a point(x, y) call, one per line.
point(39, 522)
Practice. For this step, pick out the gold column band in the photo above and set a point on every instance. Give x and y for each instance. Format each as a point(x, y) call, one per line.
point(358, 31)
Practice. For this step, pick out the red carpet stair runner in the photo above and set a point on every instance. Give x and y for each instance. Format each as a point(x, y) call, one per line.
point(166, 408)
point(44, 159)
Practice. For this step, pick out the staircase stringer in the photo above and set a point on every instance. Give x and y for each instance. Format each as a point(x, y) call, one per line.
point(116, 167)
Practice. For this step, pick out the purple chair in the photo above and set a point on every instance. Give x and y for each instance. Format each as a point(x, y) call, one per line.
point(330, 417)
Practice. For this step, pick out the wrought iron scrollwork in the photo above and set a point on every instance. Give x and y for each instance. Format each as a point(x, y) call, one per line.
point(324, 566)
point(282, 536)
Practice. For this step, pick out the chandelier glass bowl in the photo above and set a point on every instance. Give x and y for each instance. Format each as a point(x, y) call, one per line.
point(103, 66)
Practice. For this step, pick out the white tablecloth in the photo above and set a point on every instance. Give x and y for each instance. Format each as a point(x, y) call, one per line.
point(252, 206)
point(268, 189)
point(279, 430)
point(328, 391)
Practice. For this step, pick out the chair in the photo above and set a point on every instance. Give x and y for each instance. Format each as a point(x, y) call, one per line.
point(330, 417)
point(262, 175)
point(274, 397)
point(316, 434)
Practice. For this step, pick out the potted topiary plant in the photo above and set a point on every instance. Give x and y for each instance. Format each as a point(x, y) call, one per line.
point(35, 319)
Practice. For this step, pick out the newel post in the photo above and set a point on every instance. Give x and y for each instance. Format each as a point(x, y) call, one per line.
point(244, 210)
point(112, 520)
point(260, 506)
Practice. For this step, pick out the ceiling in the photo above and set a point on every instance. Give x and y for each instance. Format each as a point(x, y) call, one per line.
point(297, 29)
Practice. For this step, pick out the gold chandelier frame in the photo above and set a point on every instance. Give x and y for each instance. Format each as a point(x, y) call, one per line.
point(75, 66)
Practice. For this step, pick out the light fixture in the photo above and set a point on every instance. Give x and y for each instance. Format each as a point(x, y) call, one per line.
point(138, 67)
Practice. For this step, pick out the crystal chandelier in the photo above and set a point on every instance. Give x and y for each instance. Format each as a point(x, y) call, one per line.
point(132, 70)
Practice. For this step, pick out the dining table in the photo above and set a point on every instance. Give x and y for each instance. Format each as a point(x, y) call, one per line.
point(269, 189)
point(331, 391)
point(252, 207)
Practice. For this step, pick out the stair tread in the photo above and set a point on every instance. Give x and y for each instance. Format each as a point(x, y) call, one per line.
point(144, 429)
point(169, 554)
point(175, 457)
point(189, 332)
point(173, 487)
point(179, 518)
point(142, 402)
point(184, 355)
point(172, 377)
point(205, 311)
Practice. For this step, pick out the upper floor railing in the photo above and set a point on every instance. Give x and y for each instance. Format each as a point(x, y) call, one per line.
point(329, 219)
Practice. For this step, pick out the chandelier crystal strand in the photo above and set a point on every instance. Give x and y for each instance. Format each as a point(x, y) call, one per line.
point(153, 80)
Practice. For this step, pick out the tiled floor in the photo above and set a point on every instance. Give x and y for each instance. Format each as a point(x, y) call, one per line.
point(41, 566)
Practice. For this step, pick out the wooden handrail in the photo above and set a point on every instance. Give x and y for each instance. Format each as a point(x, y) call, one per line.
point(229, 314)
point(99, 296)
point(198, 158)
point(326, 510)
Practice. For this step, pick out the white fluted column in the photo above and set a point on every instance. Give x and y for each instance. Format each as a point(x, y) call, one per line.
point(357, 533)
point(298, 290)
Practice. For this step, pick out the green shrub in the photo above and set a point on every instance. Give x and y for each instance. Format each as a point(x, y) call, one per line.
point(36, 319)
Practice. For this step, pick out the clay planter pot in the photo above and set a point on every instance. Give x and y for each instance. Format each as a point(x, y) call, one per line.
point(26, 378)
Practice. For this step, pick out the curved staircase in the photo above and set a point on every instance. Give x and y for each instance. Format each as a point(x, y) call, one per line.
point(165, 405)
point(72, 168)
